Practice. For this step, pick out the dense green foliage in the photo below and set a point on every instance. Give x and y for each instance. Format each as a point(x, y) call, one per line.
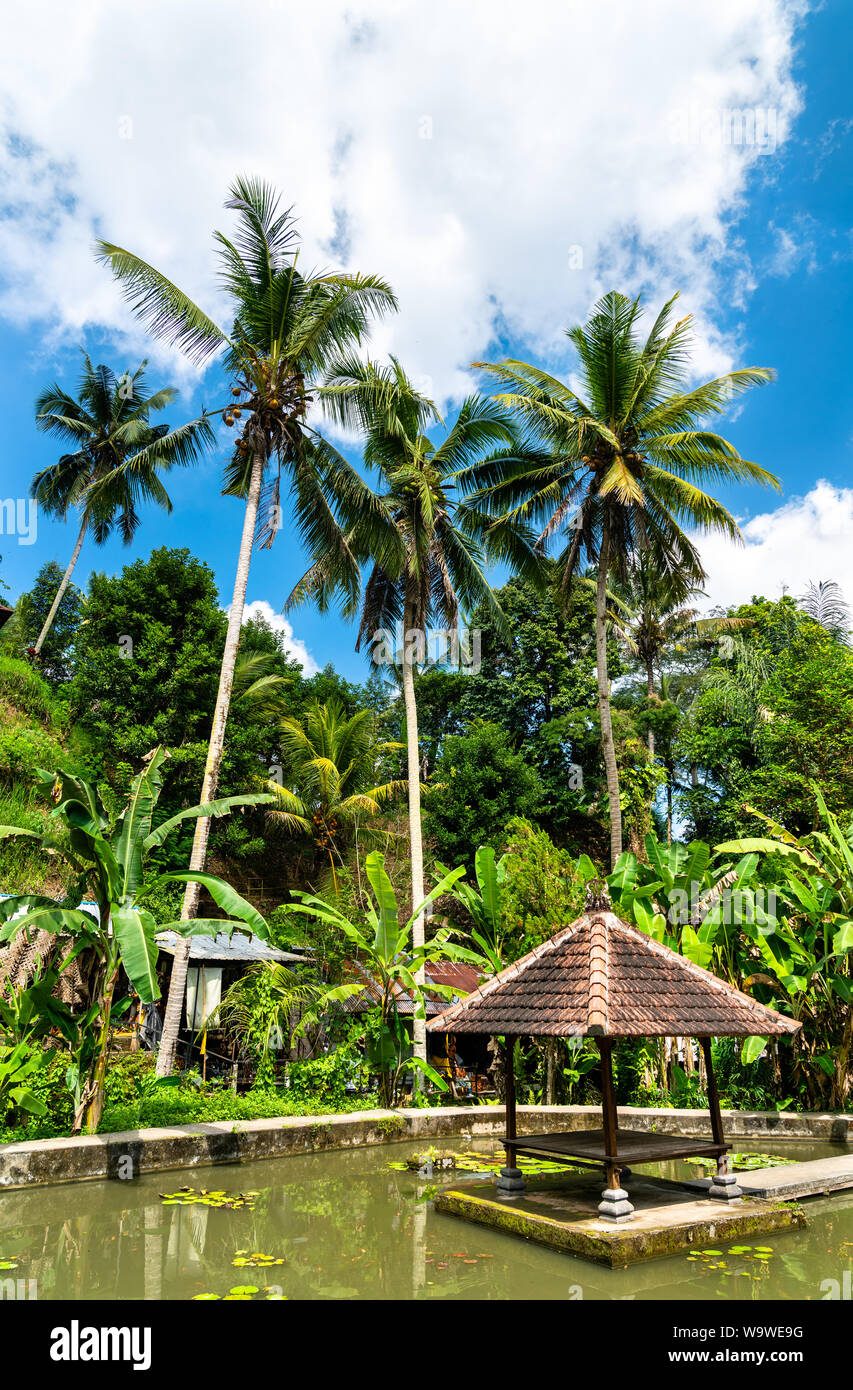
point(22, 630)
point(774, 713)
point(478, 785)
point(592, 706)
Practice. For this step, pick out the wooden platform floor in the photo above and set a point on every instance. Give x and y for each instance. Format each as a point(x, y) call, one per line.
point(632, 1146)
point(562, 1212)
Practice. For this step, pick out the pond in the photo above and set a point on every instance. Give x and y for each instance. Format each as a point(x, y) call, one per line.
point(349, 1225)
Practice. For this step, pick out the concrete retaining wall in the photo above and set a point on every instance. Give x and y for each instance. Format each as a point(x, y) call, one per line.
point(190, 1146)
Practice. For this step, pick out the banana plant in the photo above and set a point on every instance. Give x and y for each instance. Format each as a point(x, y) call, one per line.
point(384, 968)
point(808, 957)
point(106, 856)
point(693, 905)
point(486, 907)
point(19, 1069)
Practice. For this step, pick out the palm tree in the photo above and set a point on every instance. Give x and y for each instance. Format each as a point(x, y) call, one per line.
point(285, 327)
point(263, 1008)
point(258, 686)
point(435, 568)
point(117, 456)
point(331, 765)
point(624, 455)
point(825, 604)
point(651, 616)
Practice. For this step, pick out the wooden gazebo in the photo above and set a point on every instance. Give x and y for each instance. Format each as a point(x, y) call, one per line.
point(604, 979)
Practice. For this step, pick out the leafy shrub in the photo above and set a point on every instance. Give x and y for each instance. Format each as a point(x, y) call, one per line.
point(324, 1079)
point(479, 783)
point(23, 750)
point(136, 1100)
point(543, 889)
point(130, 1078)
point(178, 1105)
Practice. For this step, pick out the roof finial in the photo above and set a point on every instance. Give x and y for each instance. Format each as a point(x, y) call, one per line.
point(597, 896)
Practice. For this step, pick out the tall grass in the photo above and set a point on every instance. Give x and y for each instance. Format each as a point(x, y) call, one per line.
point(29, 693)
point(24, 868)
point(31, 721)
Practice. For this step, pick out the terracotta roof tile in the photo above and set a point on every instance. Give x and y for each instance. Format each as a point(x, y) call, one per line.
point(603, 977)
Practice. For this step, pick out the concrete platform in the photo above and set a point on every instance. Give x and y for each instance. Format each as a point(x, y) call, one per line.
point(562, 1213)
point(814, 1178)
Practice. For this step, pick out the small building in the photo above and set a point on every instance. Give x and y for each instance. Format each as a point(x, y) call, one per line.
point(603, 979)
point(468, 1074)
point(215, 963)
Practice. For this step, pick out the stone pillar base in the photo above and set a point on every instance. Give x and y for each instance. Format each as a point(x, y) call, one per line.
point(615, 1207)
point(511, 1182)
point(724, 1188)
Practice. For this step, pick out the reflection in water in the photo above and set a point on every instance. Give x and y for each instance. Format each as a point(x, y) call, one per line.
point(345, 1225)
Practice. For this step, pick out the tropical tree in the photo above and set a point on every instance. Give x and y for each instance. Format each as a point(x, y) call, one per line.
point(430, 565)
point(619, 464)
point(263, 1009)
point(708, 911)
point(106, 855)
point(29, 618)
point(807, 958)
point(825, 604)
point(650, 613)
point(258, 685)
point(387, 966)
point(285, 327)
point(117, 457)
point(331, 764)
point(485, 904)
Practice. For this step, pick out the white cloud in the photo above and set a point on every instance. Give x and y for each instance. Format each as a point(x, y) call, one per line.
point(465, 152)
point(259, 608)
point(795, 248)
point(805, 539)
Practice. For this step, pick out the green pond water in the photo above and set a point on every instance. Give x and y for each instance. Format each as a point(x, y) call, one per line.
point(347, 1226)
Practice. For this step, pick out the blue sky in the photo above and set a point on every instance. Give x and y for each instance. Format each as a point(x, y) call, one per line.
point(400, 161)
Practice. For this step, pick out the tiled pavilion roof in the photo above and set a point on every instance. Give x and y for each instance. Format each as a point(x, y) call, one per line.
point(604, 978)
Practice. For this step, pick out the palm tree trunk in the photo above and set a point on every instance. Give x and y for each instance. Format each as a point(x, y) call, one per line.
point(650, 690)
point(60, 593)
point(178, 981)
point(415, 832)
point(607, 746)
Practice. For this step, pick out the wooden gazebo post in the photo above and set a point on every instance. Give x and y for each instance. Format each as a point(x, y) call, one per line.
point(510, 1180)
point(724, 1186)
point(614, 1205)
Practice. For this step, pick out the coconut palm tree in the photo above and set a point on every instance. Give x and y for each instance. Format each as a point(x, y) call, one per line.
point(825, 604)
point(434, 571)
point(650, 613)
point(118, 454)
point(331, 766)
point(625, 453)
point(285, 327)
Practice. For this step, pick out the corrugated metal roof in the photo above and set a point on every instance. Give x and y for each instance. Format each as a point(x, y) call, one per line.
point(234, 949)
